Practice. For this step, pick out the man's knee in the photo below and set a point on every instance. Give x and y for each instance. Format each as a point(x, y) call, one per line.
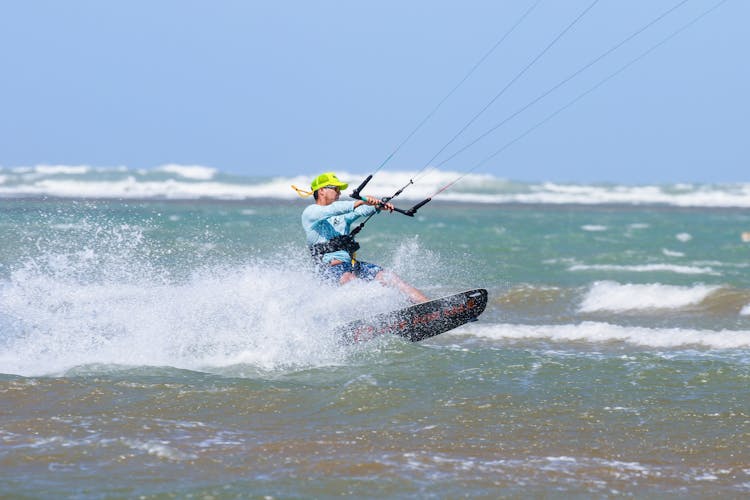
point(346, 277)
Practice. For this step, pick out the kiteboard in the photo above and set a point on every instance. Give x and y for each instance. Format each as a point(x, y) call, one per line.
point(420, 321)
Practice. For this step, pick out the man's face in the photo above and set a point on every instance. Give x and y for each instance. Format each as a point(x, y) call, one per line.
point(329, 194)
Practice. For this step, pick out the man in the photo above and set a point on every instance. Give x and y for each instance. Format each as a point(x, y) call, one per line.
point(327, 225)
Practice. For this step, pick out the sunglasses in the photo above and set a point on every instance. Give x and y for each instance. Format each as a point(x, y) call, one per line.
point(335, 188)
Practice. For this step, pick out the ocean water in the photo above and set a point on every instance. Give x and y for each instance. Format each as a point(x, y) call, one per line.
point(161, 335)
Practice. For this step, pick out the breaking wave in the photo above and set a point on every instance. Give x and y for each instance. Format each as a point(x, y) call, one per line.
point(612, 296)
point(645, 268)
point(196, 181)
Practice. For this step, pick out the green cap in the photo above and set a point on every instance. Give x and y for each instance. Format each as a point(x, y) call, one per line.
point(327, 179)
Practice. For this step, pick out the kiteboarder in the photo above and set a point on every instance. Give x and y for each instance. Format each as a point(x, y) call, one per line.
point(327, 226)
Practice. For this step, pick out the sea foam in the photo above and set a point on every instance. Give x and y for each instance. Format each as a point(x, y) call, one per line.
point(257, 315)
point(590, 331)
point(108, 301)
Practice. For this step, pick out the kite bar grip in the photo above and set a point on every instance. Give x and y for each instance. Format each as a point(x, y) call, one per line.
point(355, 194)
point(413, 210)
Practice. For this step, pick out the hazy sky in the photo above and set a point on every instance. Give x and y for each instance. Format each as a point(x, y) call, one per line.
point(286, 87)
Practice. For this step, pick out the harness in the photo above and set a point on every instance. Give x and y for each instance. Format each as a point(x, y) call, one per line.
point(341, 242)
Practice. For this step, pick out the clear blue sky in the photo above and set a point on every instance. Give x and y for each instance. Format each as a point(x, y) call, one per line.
point(287, 87)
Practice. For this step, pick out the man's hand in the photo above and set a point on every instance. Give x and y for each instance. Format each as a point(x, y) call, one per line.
point(371, 200)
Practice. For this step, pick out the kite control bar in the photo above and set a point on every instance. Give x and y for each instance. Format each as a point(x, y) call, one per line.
point(410, 212)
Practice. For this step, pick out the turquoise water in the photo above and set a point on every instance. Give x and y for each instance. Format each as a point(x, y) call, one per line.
point(156, 348)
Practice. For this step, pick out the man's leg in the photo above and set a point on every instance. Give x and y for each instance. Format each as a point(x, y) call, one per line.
point(347, 277)
point(390, 279)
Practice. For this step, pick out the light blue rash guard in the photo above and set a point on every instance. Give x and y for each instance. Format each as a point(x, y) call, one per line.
point(321, 223)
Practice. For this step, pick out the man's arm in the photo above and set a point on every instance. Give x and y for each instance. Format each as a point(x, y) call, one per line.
point(314, 214)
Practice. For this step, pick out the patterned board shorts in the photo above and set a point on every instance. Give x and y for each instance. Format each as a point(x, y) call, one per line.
point(362, 270)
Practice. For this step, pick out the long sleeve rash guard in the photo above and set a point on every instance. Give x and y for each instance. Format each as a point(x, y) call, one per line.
point(321, 223)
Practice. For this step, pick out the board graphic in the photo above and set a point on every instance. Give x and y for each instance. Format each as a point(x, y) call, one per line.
point(419, 321)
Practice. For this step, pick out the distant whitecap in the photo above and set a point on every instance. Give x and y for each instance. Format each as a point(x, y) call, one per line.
point(195, 172)
point(671, 253)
